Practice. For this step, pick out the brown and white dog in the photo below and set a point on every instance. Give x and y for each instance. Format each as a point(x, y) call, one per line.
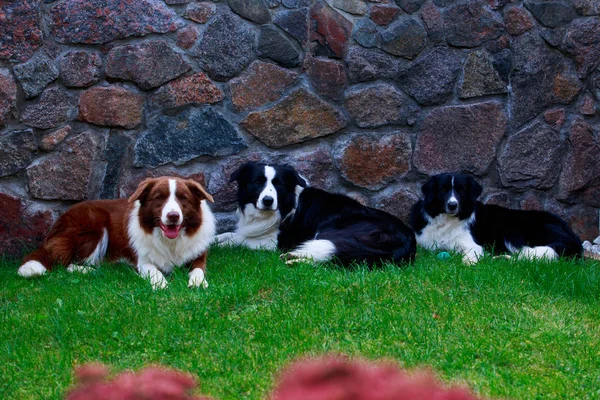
point(165, 223)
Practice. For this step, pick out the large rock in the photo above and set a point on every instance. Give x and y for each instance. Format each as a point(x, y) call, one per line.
point(299, 117)
point(200, 12)
point(383, 14)
point(441, 67)
point(480, 78)
point(540, 78)
point(410, 6)
point(370, 64)
point(20, 33)
point(117, 154)
point(582, 42)
point(52, 109)
point(16, 150)
point(330, 31)
point(21, 227)
point(392, 161)
point(191, 134)
point(471, 24)
point(149, 64)
point(294, 22)
point(460, 138)
point(583, 220)
point(531, 158)
point(73, 173)
point(405, 38)
point(80, 68)
point(328, 77)
point(356, 7)
point(366, 33)
point(8, 97)
point(552, 13)
point(255, 10)
point(187, 37)
point(517, 20)
point(227, 47)
point(275, 45)
point(434, 23)
point(192, 89)
point(35, 74)
point(587, 7)
point(398, 202)
point(260, 84)
point(111, 106)
point(580, 177)
point(102, 21)
point(376, 105)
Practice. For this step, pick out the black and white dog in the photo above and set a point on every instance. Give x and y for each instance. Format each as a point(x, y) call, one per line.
point(451, 218)
point(266, 194)
point(325, 226)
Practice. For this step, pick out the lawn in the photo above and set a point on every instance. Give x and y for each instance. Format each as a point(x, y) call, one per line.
point(521, 330)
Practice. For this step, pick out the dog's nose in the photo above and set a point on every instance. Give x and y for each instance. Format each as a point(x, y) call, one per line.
point(452, 205)
point(268, 201)
point(173, 216)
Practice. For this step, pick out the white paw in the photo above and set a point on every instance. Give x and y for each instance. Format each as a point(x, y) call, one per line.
point(82, 269)
point(197, 279)
point(31, 268)
point(293, 258)
point(469, 259)
point(157, 279)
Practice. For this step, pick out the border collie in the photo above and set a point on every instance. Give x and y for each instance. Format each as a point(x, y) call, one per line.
point(165, 223)
point(325, 226)
point(451, 218)
point(266, 194)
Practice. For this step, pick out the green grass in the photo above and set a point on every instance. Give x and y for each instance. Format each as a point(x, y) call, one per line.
point(522, 330)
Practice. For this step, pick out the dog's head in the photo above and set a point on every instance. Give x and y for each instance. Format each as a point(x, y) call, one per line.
point(454, 194)
point(268, 187)
point(170, 204)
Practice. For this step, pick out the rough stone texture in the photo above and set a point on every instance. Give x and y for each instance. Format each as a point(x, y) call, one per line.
point(176, 2)
point(555, 117)
point(383, 14)
point(328, 77)
point(260, 84)
point(582, 42)
point(53, 139)
point(480, 78)
point(365, 33)
point(392, 162)
point(460, 138)
point(580, 177)
point(540, 79)
point(255, 10)
point(330, 31)
point(531, 157)
point(149, 64)
point(405, 38)
point(441, 67)
point(551, 13)
point(517, 20)
point(434, 23)
point(52, 109)
point(20, 33)
point(191, 134)
point(75, 172)
point(583, 220)
point(117, 154)
point(370, 64)
point(410, 6)
point(296, 3)
point(80, 68)
point(398, 202)
point(187, 37)
point(35, 74)
point(111, 106)
point(8, 97)
point(21, 228)
point(587, 105)
point(16, 150)
point(225, 34)
point(357, 7)
point(587, 7)
point(275, 45)
point(101, 21)
point(294, 22)
point(299, 117)
point(376, 105)
point(471, 24)
point(193, 89)
point(200, 12)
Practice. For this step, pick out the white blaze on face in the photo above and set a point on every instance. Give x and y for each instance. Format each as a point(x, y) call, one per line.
point(268, 191)
point(452, 198)
point(172, 205)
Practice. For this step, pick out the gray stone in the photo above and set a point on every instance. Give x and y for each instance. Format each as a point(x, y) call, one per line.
point(480, 78)
point(587, 7)
point(273, 44)
point(79, 68)
point(434, 23)
point(191, 134)
point(117, 155)
point(405, 38)
point(255, 10)
point(376, 105)
point(294, 22)
point(552, 13)
point(224, 33)
point(357, 7)
point(176, 2)
point(52, 109)
point(398, 202)
point(410, 6)
point(471, 24)
point(441, 67)
point(365, 33)
point(8, 96)
point(296, 3)
point(35, 74)
point(531, 158)
point(582, 42)
point(16, 150)
point(370, 64)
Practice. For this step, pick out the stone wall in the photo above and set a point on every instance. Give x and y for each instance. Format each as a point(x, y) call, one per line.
point(363, 97)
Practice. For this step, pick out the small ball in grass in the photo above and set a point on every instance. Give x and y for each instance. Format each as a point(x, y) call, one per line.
point(443, 255)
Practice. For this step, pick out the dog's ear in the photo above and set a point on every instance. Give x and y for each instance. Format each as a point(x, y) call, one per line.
point(142, 190)
point(237, 174)
point(293, 178)
point(429, 186)
point(476, 188)
point(198, 190)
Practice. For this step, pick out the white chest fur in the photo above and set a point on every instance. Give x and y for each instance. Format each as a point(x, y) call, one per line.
point(166, 253)
point(446, 232)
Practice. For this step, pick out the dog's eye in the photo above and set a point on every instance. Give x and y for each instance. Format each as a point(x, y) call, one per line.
point(158, 197)
point(277, 182)
point(183, 197)
point(258, 181)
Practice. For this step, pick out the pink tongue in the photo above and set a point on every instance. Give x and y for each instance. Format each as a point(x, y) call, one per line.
point(171, 231)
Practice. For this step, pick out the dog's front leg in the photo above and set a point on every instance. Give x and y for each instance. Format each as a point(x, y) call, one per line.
point(149, 271)
point(196, 274)
point(471, 251)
